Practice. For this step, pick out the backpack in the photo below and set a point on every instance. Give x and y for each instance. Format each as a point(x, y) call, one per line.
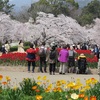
point(31, 56)
point(42, 52)
point(52, 55)
point(71, 54)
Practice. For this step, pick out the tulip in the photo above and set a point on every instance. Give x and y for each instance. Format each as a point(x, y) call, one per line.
point(93, 98)
point(86, 98)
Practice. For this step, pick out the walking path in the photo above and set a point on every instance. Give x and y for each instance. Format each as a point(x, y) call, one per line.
point(18, 75)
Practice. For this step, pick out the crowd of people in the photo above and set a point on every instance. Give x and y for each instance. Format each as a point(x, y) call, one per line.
point(65, 57)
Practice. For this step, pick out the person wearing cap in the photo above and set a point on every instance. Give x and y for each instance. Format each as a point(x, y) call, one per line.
point(82, 62)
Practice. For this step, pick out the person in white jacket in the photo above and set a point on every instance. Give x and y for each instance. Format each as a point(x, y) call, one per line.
point(21, 47)
point(7, 47)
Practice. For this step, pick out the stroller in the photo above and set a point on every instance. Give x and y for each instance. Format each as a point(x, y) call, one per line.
point(82, 65)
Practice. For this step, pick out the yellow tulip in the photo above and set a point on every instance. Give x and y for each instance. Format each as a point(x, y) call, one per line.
point(48, 81)
point(15, 88)
point(71, 84)
point(76, 87)
point(83, 90)
point(54, 90)
point(39, 77)
point(47, 89)
point(39, 83)
point(94, 81)
point(45, 77)
point(87, 87)
point(39, 97)
point(50, 86)
point(63, 81)
point(8, 78)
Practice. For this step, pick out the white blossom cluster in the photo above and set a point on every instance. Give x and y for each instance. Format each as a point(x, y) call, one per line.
point(48, 28)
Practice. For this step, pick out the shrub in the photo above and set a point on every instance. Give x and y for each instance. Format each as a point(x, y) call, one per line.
point(14, 48)
point(30, 87)
point(26, 47)
point(26, 43)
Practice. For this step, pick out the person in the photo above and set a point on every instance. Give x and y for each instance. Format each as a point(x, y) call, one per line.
point(3, 49)
point(84, 47)
point(52, 59)
point(63, 59)
point(20, 47)
point(96, 51)
point(42, 55)
point(78, 46)
point(7, 47)
point(82, 62)
point(30, 57)
point(71, 61)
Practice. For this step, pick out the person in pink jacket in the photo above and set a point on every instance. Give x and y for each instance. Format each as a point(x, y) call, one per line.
point(63, 59)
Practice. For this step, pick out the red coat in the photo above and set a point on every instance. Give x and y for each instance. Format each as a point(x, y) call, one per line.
point(31, 54)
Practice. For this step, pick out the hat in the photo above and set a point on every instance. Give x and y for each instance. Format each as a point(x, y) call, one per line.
point(81, 54)
point(71, 47)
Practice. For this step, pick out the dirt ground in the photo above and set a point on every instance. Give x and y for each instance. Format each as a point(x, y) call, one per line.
point(24, 69)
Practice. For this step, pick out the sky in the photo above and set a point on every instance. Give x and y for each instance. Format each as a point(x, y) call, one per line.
point(20, 3)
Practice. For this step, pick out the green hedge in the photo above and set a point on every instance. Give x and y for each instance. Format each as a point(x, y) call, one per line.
point(15, 48)
point(26, 43)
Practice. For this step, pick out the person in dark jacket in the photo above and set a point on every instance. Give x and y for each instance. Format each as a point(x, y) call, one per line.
point(71, 61)
point(82, 63)
point(3, 50)
point(96, 51)
point(31, 57)
point(52, 59)
point(84, 47)
point(43, 55)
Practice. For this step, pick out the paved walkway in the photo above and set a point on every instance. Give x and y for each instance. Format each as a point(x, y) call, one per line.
point(17, 76)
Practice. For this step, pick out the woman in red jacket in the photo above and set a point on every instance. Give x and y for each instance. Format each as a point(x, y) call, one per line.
point(31, 58)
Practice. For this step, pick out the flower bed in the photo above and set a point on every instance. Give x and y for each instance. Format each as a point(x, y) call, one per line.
point(43, 89)
point(19, 58)
point(14, 59)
